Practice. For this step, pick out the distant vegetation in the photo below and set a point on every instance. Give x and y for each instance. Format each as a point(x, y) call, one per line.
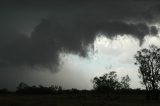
point(23, 88)
point(4, 91)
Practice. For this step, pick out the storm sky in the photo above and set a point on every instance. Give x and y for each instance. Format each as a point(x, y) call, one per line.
point(68, 42)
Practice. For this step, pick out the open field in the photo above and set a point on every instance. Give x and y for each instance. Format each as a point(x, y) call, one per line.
point(74, 100)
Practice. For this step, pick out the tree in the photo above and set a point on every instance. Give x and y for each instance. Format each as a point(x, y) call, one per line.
point(125, 82)
point(109, 82)
point(148, 61)
point(22, 86)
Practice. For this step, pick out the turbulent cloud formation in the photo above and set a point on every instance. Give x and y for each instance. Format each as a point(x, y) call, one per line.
point(68, 26)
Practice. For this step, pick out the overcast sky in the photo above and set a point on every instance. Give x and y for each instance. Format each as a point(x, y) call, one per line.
point(68, 42)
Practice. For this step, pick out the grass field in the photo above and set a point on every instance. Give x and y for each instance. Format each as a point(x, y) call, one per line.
point(74, 100)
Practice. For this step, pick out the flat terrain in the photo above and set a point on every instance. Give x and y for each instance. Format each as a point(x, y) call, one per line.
point(74, 100)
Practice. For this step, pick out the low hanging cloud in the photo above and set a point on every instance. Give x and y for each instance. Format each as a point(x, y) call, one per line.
point(71, 30)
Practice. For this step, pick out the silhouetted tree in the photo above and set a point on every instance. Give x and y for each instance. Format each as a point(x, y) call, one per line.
point(148, 61)
point(4, 91)
point(125, 82)
point(109, 82)
point(22, 86)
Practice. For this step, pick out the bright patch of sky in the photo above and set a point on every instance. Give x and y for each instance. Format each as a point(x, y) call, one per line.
point(110, 55)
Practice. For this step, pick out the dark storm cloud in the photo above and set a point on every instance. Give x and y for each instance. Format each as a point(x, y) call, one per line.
point(71, 27)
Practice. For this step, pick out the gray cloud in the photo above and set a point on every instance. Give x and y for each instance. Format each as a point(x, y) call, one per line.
point(72, 27)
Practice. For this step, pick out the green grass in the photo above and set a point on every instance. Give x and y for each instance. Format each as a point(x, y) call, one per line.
point(74, 100)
